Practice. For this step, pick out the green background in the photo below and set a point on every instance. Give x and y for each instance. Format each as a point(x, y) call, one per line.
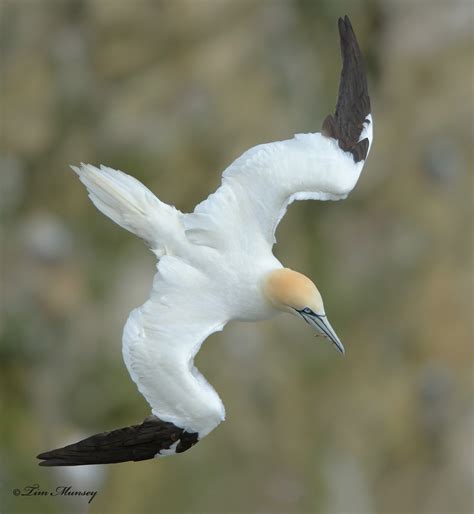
point(172, 92)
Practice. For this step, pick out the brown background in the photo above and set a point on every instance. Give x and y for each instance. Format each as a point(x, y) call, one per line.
point(172, 92)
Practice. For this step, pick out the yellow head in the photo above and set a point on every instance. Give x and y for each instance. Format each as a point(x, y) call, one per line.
point(290, 291)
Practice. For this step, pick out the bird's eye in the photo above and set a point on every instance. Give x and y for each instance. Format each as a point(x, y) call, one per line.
point(307, 310)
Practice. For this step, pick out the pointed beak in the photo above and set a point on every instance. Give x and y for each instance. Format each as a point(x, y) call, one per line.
point(322, 325)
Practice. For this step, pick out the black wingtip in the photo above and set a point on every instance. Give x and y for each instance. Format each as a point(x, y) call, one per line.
point(353, 103)
point(49, 459)
point(342, 22)
point(134, 443)
point(54, 462)
point(344, 26)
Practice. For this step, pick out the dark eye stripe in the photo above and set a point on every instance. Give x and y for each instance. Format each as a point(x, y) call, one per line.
point(309, 312)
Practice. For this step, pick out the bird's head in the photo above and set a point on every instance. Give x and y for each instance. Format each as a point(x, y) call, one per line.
point(290, 291)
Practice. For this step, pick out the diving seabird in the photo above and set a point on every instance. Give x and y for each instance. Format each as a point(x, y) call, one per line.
point(216, 264)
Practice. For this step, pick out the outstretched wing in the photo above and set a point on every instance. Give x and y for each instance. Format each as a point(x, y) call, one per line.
point(257, 188)
point(161, 339)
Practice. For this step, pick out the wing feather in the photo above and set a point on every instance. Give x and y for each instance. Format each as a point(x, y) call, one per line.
point(243, 213)
point(353, 103)
point(133, 206)
point(161, 339)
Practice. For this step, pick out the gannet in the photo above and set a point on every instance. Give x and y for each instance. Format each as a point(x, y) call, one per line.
point(216, 264)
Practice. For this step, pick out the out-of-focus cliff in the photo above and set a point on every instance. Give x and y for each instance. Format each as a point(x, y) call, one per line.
point(172, 92)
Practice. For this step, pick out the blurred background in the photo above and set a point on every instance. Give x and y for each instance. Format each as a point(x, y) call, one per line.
point(172, 92)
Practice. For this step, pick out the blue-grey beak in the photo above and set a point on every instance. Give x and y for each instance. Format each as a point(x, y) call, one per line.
point(322, 325)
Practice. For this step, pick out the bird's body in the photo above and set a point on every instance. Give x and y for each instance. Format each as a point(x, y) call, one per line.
point(216, 264)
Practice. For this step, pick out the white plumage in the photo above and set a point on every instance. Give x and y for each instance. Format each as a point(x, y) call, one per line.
point(216, 264)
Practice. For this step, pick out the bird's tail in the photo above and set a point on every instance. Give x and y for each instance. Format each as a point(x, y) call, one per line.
point(153, 438)
point(131, 205)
